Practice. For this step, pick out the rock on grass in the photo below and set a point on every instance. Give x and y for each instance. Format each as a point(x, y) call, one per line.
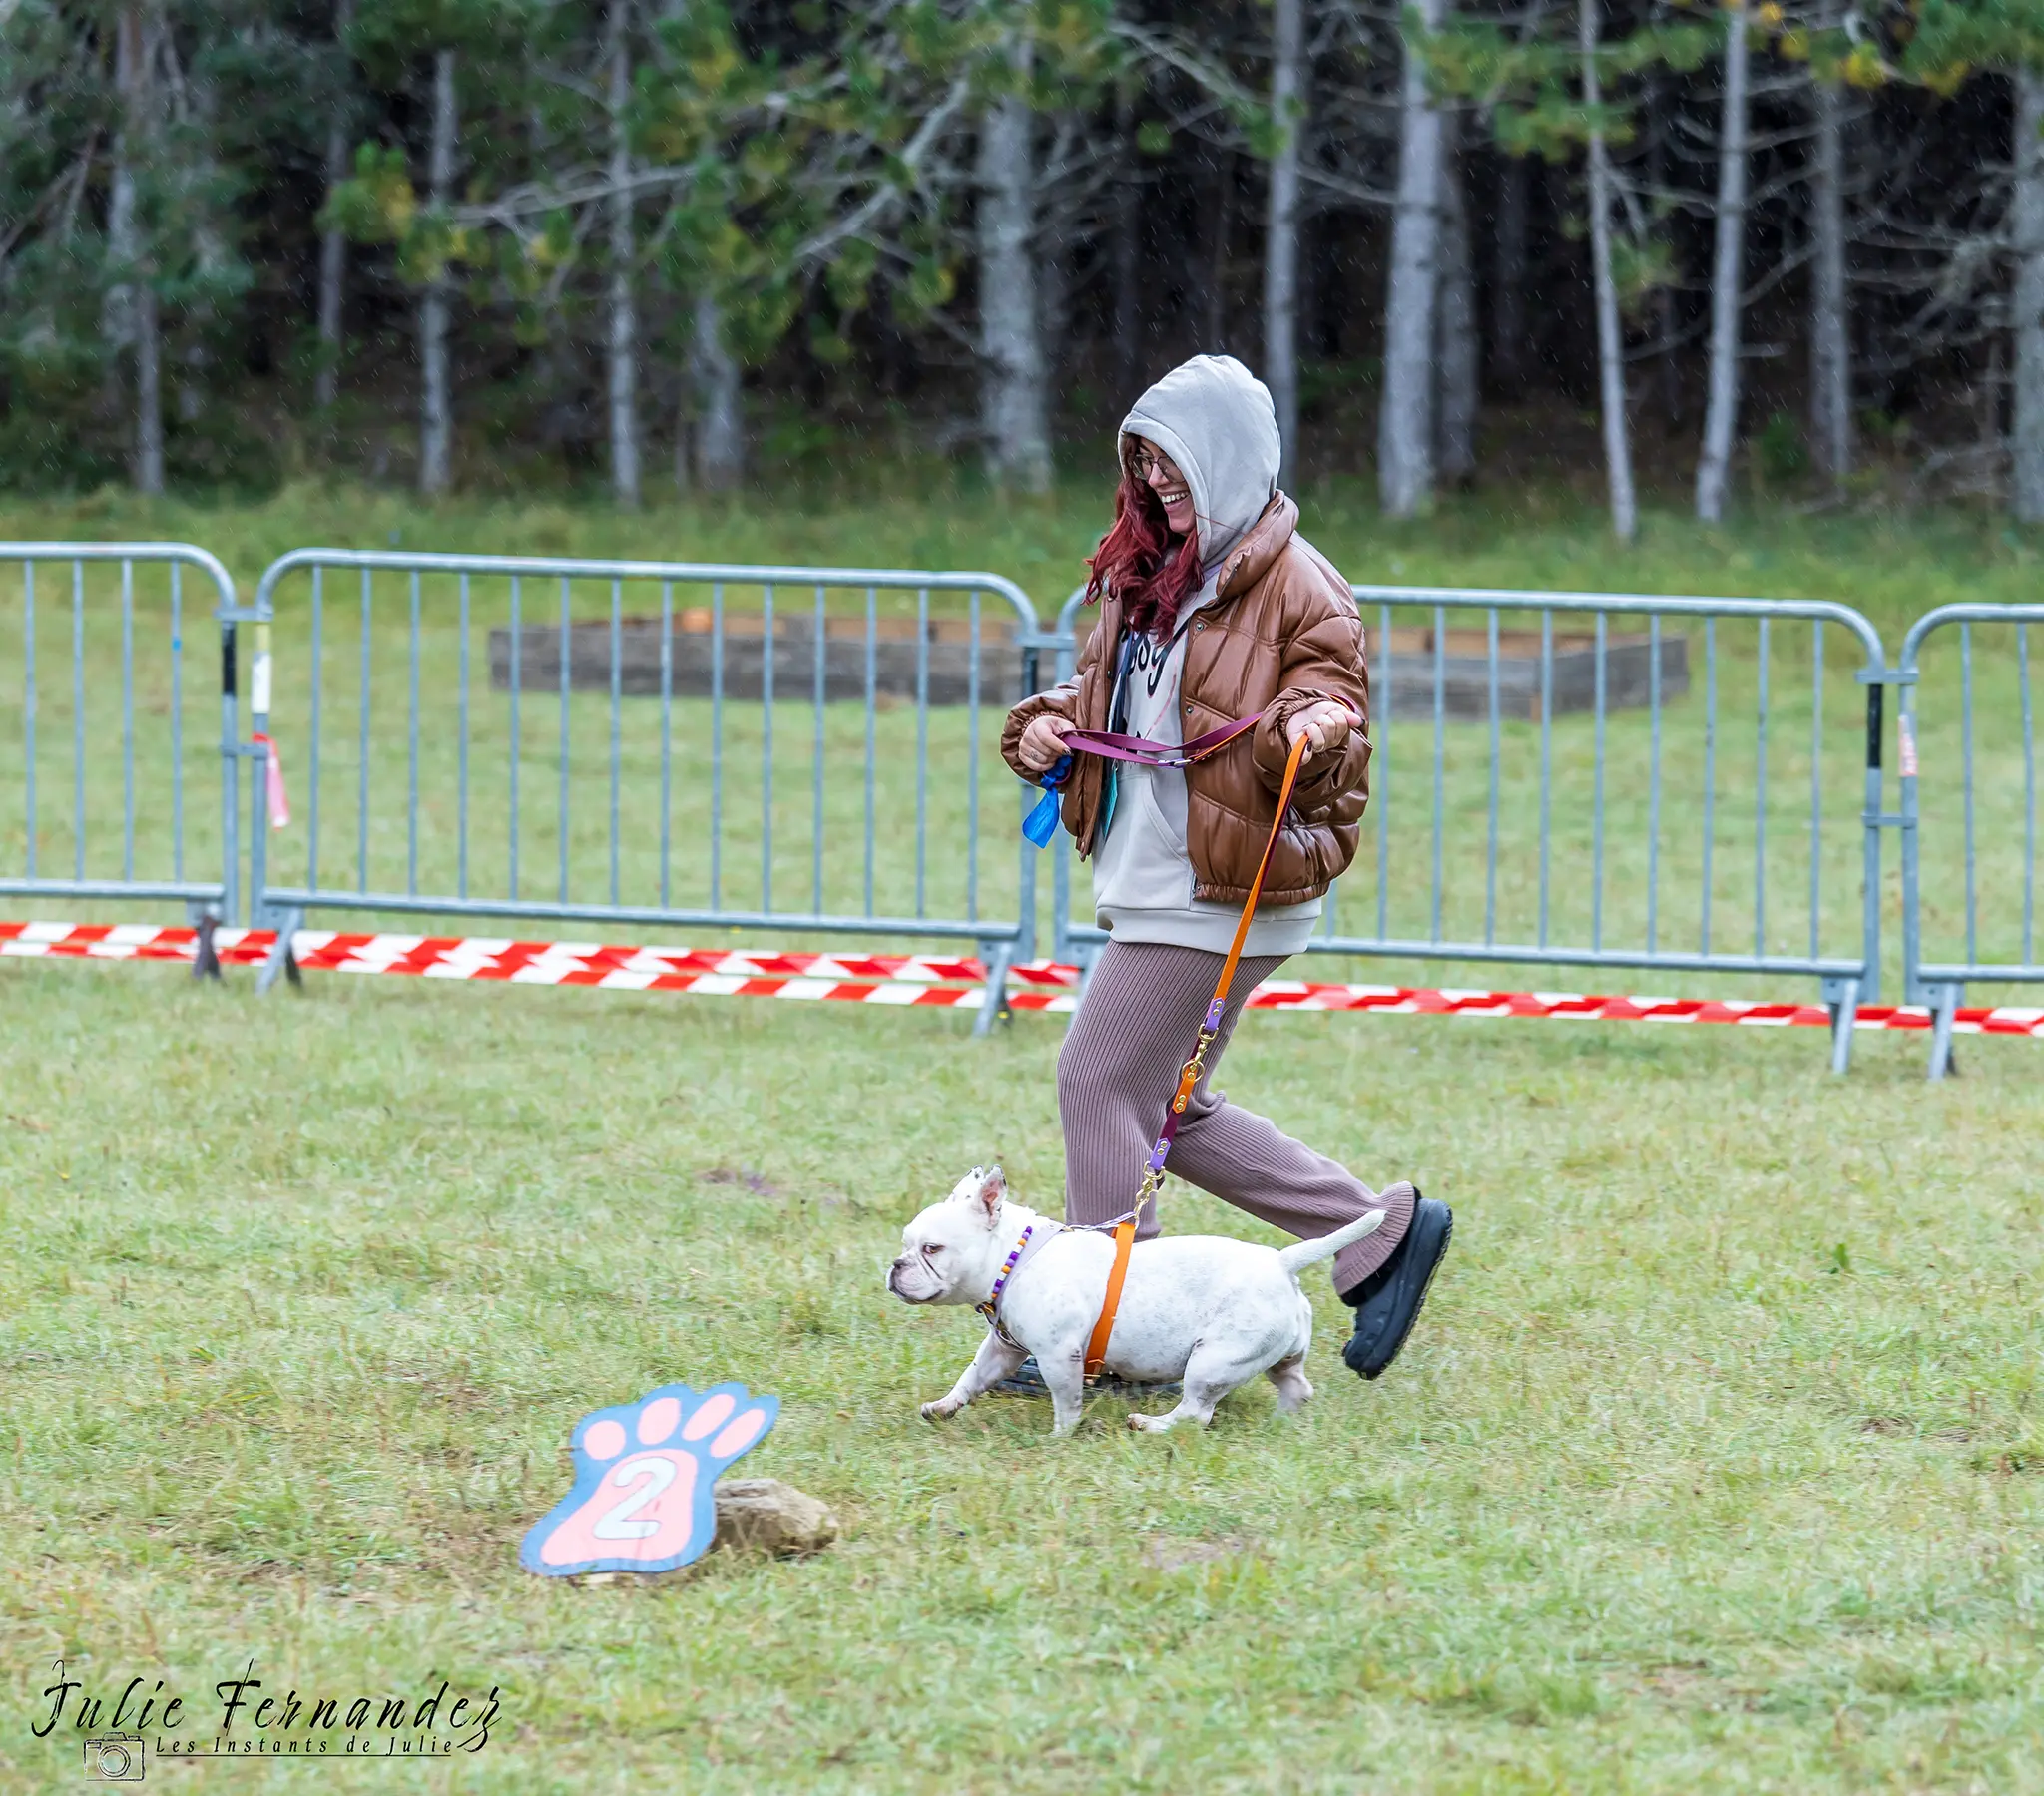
point(763, 1515)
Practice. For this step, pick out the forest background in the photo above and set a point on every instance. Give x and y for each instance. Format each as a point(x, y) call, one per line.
point(532, 244)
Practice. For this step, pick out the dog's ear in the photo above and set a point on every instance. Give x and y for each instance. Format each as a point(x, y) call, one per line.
point(993, 1188)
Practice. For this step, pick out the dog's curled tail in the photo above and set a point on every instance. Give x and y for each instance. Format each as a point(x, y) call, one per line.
point(1305, 1253)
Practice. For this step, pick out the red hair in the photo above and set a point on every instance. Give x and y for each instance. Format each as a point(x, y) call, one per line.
point(1139, 561)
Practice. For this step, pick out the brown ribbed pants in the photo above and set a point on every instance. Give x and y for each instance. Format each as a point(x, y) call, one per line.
point(1116, 1073)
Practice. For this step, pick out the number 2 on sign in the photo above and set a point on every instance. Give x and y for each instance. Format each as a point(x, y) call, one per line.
point(653, 1474)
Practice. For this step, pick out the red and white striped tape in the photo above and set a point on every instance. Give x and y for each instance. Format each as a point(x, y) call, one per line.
point(919, 979)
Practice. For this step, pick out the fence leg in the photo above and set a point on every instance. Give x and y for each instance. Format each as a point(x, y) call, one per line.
point(206, 962)
point(1842, 995)
point(995, 1003)
point(282, 959)
point(1944, 1011)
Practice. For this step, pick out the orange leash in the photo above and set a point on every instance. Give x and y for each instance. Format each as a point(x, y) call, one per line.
point(1188, 1076)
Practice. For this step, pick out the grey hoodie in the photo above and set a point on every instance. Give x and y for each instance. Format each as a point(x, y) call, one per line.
point(1214, 418)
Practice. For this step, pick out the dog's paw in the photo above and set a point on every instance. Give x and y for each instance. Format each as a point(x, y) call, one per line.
point(644, 1479)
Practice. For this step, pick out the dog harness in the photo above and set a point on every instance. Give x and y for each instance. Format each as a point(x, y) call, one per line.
point(991, 1308)
point(1035, 1238)
point(1111, 747)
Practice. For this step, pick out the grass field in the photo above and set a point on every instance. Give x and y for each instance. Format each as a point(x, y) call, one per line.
point(1713, 1465)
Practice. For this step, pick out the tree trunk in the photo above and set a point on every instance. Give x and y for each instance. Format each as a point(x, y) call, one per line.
point(1721, 418)
point(1014, 406)
point(2026, 487)
point(719, 424)
point(1281, 232)
point(623, 336)
point(1405, 413)
point(1987, 403)
point(117, 310)
point(685, 433)
point(1830, 350)
point(333, 244)
point(130, 316)
point(149, 389)
point(436, 422)
point(1456, 349)
point(685, 405)
point(149, 392)
point(1508, 280)
point(1128, 250)
point(1618, 452)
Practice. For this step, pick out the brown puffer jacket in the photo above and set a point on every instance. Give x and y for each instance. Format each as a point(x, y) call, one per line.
point(1281, 633)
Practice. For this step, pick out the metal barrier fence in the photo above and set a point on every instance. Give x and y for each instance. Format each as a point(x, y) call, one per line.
point(144, 615)
point(1599, 779)
point(606, 734)
point(1487, 828)
point(1997, 839)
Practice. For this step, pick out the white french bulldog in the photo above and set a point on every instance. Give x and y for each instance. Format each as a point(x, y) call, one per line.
point(1200, 1308)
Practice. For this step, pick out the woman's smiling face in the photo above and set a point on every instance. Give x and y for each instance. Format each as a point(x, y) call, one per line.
point(1152, 466)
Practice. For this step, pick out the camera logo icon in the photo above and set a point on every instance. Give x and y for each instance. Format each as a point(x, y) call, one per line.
point(115, 1758)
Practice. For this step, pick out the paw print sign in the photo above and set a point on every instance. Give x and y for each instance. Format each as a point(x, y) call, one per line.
point(645, 1473)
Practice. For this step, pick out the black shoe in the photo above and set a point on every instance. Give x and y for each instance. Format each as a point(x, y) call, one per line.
point(1111, 1384)
point(1027, 1381)
point(1388, 1302)
point(1024, 1381)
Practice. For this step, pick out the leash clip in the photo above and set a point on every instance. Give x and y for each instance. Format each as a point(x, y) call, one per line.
point(1189, 1074)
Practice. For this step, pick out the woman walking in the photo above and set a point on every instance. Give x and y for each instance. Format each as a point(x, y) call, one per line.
point(1213, 607)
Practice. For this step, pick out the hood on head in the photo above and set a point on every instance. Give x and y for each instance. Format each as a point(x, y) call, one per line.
point(1215, 419)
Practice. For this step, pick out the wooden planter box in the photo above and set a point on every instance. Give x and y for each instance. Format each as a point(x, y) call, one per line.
point(1465, 684)
point(1465, 670)
point(949, 648)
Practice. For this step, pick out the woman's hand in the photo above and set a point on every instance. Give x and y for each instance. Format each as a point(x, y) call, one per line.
point(1043, 743)
point(1325, 725)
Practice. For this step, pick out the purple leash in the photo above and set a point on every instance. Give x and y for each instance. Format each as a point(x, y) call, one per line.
point(1042, 822)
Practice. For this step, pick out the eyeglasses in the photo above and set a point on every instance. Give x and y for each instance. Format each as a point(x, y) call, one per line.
point(1145, 461)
